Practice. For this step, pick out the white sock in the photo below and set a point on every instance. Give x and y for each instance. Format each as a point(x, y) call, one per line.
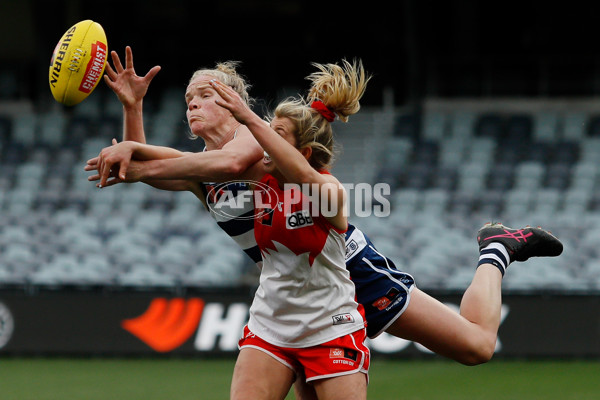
point(496, 254)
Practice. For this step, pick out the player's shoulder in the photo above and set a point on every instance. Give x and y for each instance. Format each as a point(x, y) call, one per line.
point(243, 132)
point(244, 141)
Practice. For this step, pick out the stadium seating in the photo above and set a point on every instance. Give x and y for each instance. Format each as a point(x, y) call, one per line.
point(449, 169)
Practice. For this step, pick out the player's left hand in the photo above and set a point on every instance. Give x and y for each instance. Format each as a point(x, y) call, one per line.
point(133, 174)
point(112, 162)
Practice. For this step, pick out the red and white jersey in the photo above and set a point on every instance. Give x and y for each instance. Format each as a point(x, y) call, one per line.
point(305, 296)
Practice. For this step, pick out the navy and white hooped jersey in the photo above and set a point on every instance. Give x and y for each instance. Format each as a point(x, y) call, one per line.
point(229, 205)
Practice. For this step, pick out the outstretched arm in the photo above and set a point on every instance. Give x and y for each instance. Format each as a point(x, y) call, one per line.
point(164, 163)
point(115, 160)
point(231, 162)
point(130, 89)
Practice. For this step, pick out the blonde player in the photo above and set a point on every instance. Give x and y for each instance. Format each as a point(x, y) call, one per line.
point(468, 337)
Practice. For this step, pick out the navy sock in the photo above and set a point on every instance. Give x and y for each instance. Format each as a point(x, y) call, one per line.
point(496, 254)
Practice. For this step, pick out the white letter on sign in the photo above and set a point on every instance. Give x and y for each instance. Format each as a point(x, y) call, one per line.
point(214, 324)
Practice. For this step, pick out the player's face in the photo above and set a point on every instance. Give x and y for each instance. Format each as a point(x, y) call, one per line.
point(203, 114)
point(286, 129)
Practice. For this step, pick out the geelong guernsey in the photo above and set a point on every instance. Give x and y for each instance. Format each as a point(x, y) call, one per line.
point(231, 207)
point(305, 296)
point(235, 217)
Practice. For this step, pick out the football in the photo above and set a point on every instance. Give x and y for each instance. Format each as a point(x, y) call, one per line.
point(78, 62)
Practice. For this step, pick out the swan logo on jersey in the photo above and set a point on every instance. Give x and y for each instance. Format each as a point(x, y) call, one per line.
point(241, 200)
point(7, 325)
point(298, 219)
point(343, 319)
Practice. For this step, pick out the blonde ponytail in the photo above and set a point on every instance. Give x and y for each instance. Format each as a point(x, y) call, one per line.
point(335, 90)
point(339, 87)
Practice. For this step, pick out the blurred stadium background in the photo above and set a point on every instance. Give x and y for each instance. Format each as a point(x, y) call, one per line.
point(477, 111)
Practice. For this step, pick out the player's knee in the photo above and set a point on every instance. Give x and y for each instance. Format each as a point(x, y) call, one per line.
point(480, 353)
point(248, 394)
point(476, 359)
point(304, 391)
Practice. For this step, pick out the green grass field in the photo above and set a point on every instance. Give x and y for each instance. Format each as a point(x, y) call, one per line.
point(204, 379)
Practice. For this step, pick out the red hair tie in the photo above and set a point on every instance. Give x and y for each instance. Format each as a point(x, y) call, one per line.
point(323, 110)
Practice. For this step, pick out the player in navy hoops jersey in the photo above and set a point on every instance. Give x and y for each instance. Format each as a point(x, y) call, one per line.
point(468, 337)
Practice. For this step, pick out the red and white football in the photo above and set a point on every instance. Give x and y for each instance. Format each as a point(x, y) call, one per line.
point(78, 62)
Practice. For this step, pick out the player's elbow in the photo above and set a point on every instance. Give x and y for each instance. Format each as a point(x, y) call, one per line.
point(236, 167)
point(233, 166)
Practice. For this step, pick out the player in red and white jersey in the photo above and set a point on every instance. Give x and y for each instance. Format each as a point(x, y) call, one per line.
point(305, 296)
point(304, 314)
point(468, 337)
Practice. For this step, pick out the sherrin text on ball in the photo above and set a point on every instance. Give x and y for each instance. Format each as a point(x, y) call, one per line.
point(78, 62)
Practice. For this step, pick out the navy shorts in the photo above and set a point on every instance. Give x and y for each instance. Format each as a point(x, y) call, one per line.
point(382, 289)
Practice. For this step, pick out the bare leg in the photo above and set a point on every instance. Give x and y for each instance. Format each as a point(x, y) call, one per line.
point(468, 337)
point(303, 390)
point(347, 387)
point(259, 376)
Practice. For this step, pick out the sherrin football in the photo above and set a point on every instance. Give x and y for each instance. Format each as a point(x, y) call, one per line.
point(78, 62)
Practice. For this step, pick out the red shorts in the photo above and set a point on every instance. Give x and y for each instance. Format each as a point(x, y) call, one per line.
point(342, 356)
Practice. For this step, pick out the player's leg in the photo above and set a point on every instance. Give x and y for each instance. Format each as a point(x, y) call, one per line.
point(346, 387)
point(257, 375)
point(470, 337)
point(304, 391)
point(336, 369)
